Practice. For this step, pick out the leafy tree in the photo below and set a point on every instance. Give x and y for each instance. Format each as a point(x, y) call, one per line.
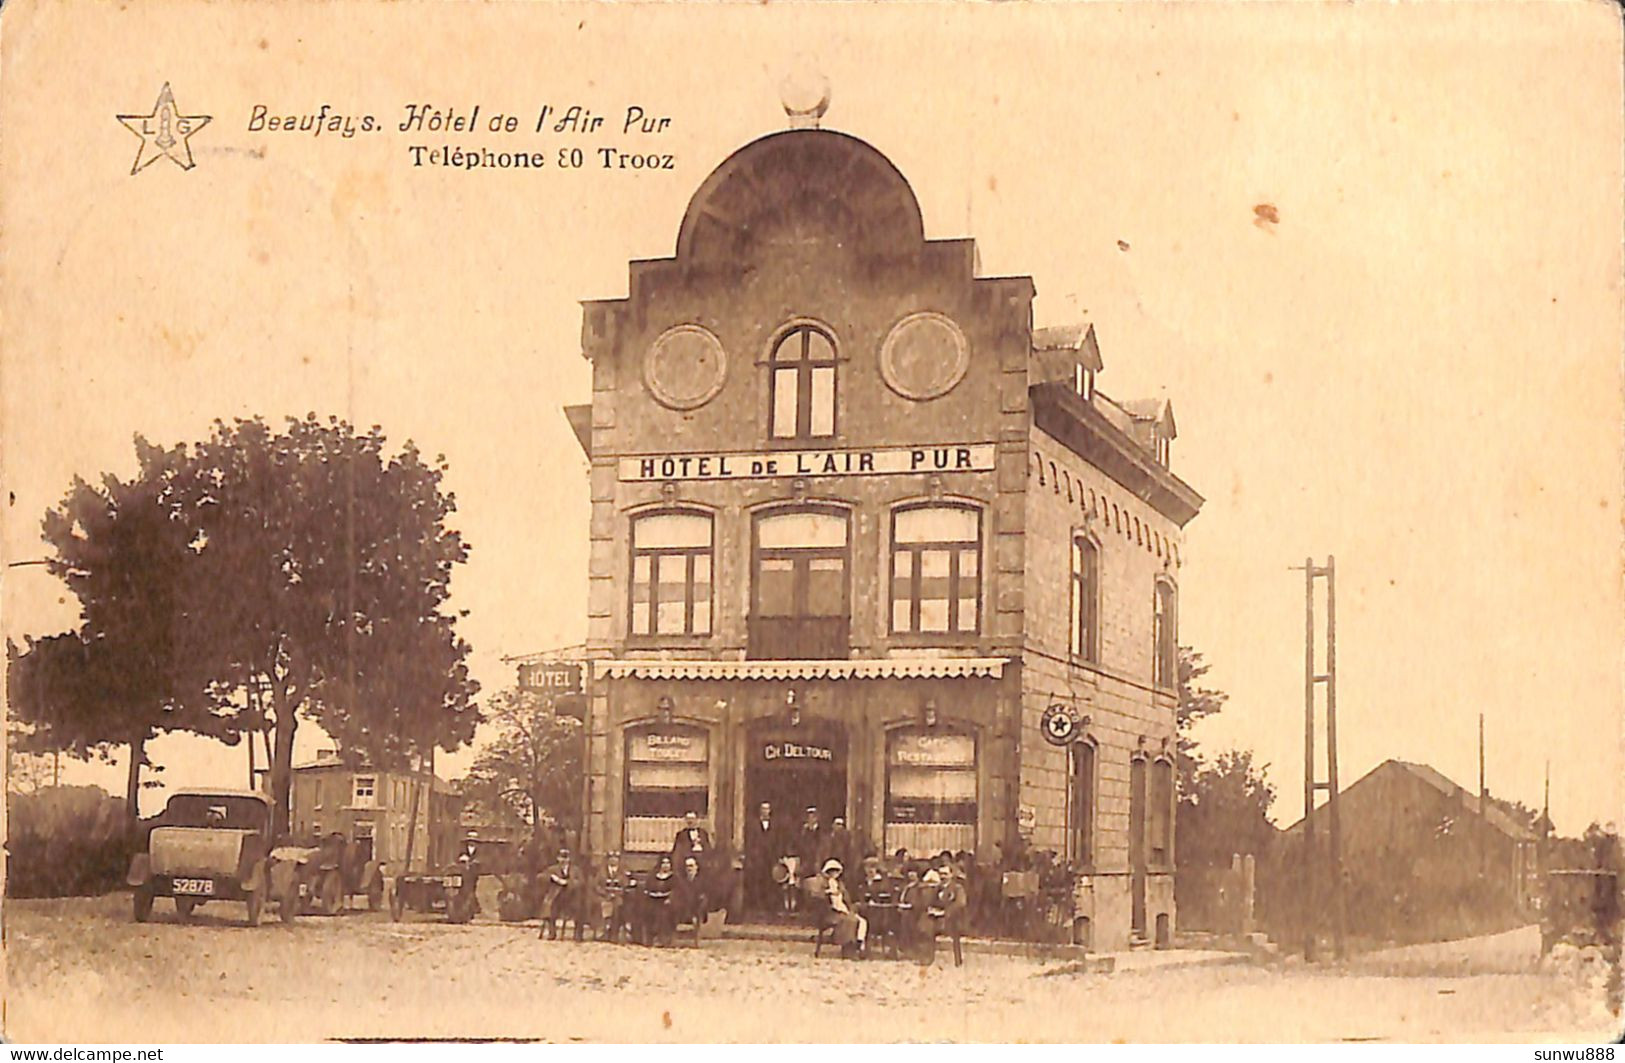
point(1226, 811)
point(1223, 804)
point(1195, 703)
point(323, 564)
point(530, 772)
point(123, 677)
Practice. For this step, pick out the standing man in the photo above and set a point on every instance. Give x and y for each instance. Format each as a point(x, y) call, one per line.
point(807, 847)
point(762, 851)
point(692, 840)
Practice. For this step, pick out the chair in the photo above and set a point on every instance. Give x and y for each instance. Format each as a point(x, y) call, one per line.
point(823, 920)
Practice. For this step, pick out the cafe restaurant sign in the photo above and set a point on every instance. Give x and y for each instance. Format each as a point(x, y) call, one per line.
point(956, 457)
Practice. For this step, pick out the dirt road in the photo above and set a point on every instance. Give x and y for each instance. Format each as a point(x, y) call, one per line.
point(80, 970)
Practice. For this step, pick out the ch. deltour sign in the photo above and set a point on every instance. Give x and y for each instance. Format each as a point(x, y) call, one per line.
point(955, 457)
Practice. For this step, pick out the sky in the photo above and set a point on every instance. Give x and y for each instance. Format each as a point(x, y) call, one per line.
point(1415, 366)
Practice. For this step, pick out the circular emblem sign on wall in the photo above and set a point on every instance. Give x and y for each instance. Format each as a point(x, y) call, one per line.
point(924, 356)
point(1059, 723)
point(685, 367)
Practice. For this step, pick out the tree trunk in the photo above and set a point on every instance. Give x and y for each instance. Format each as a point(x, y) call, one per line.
point(282, 772)
point(132, 782)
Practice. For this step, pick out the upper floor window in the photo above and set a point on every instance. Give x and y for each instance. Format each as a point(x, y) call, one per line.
point(1162, 450)
point(801, 563)
point(1165, 627)
point(1085, 611)
point(799, 606)
point(366, 791)
point(801, 388)
point(671, 574)
point(1083, 381)
point(936, 580)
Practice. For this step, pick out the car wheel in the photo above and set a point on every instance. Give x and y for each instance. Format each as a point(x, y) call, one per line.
point(375, 893)
point(183, 908)
point(142, 903)
point(459, 909)
point(332, 893)
point(256, 899)
point(397, 903)
point(288, 908)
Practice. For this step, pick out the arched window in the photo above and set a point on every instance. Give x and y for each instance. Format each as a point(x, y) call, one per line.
point(1080, 804)
point(930, 790)
point(667, 776)
point(801, 399)
point(671, 574)
point(799, 596)
point(936, 582)
point(1085, 610)
point(1165, 624)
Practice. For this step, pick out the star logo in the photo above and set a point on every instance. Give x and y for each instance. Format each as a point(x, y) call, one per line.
point(164, 133)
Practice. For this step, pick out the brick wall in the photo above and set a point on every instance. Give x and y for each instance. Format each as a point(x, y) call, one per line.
point(1066, 497)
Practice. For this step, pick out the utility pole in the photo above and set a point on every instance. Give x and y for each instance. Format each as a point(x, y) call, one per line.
point(1316, 865)
point(1483, 803)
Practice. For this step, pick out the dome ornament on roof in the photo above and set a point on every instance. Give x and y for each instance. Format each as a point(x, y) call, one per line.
point(804, 94)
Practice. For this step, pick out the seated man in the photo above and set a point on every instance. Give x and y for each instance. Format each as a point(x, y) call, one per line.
point(560, 896)
point(611, 894)
point(690, 898)
point(850, 928)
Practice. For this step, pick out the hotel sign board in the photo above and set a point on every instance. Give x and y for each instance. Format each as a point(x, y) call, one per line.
point(953, 457)
point(558, 678)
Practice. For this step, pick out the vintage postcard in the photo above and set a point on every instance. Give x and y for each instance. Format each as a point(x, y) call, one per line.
point(944, 522)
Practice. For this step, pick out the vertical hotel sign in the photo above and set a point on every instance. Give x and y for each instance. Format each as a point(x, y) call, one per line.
point(953, 457)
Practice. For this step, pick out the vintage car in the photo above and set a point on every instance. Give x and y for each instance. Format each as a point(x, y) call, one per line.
point(327, 874)
point(209, 845)
point(454, 891)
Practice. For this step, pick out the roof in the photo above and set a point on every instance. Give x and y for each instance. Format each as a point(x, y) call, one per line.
point(580, 418)
point(1494, 815)
point(842, 668)
point(820, 177)
point(1058, 351)
point(1158, 411)
point(220, 792)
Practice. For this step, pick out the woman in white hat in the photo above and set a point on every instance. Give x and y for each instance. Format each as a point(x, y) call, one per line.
point(850, 928)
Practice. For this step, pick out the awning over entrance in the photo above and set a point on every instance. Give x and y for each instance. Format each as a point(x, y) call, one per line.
point(884, 668)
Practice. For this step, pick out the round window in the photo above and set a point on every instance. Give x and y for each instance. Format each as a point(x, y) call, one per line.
point(685, 367)
point(924, 356)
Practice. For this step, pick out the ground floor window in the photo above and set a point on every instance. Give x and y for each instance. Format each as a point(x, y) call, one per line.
point(667, 776)
point(1081, 805)
point(1162, 813)
point(930, 790)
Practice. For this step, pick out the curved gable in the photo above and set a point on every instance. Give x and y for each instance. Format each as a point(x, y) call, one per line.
point(797, 187)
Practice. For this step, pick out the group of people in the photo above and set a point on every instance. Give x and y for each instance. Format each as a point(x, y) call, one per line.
point(623, 905)
point(896, 905)
point(778, 859)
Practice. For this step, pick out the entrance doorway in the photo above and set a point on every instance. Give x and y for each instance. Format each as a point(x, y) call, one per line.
point(1136, 846)
point(793, 767)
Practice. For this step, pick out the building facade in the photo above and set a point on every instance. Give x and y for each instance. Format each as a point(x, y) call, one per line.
point(864, 540)
point(375, 807)
point(1423, 858)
